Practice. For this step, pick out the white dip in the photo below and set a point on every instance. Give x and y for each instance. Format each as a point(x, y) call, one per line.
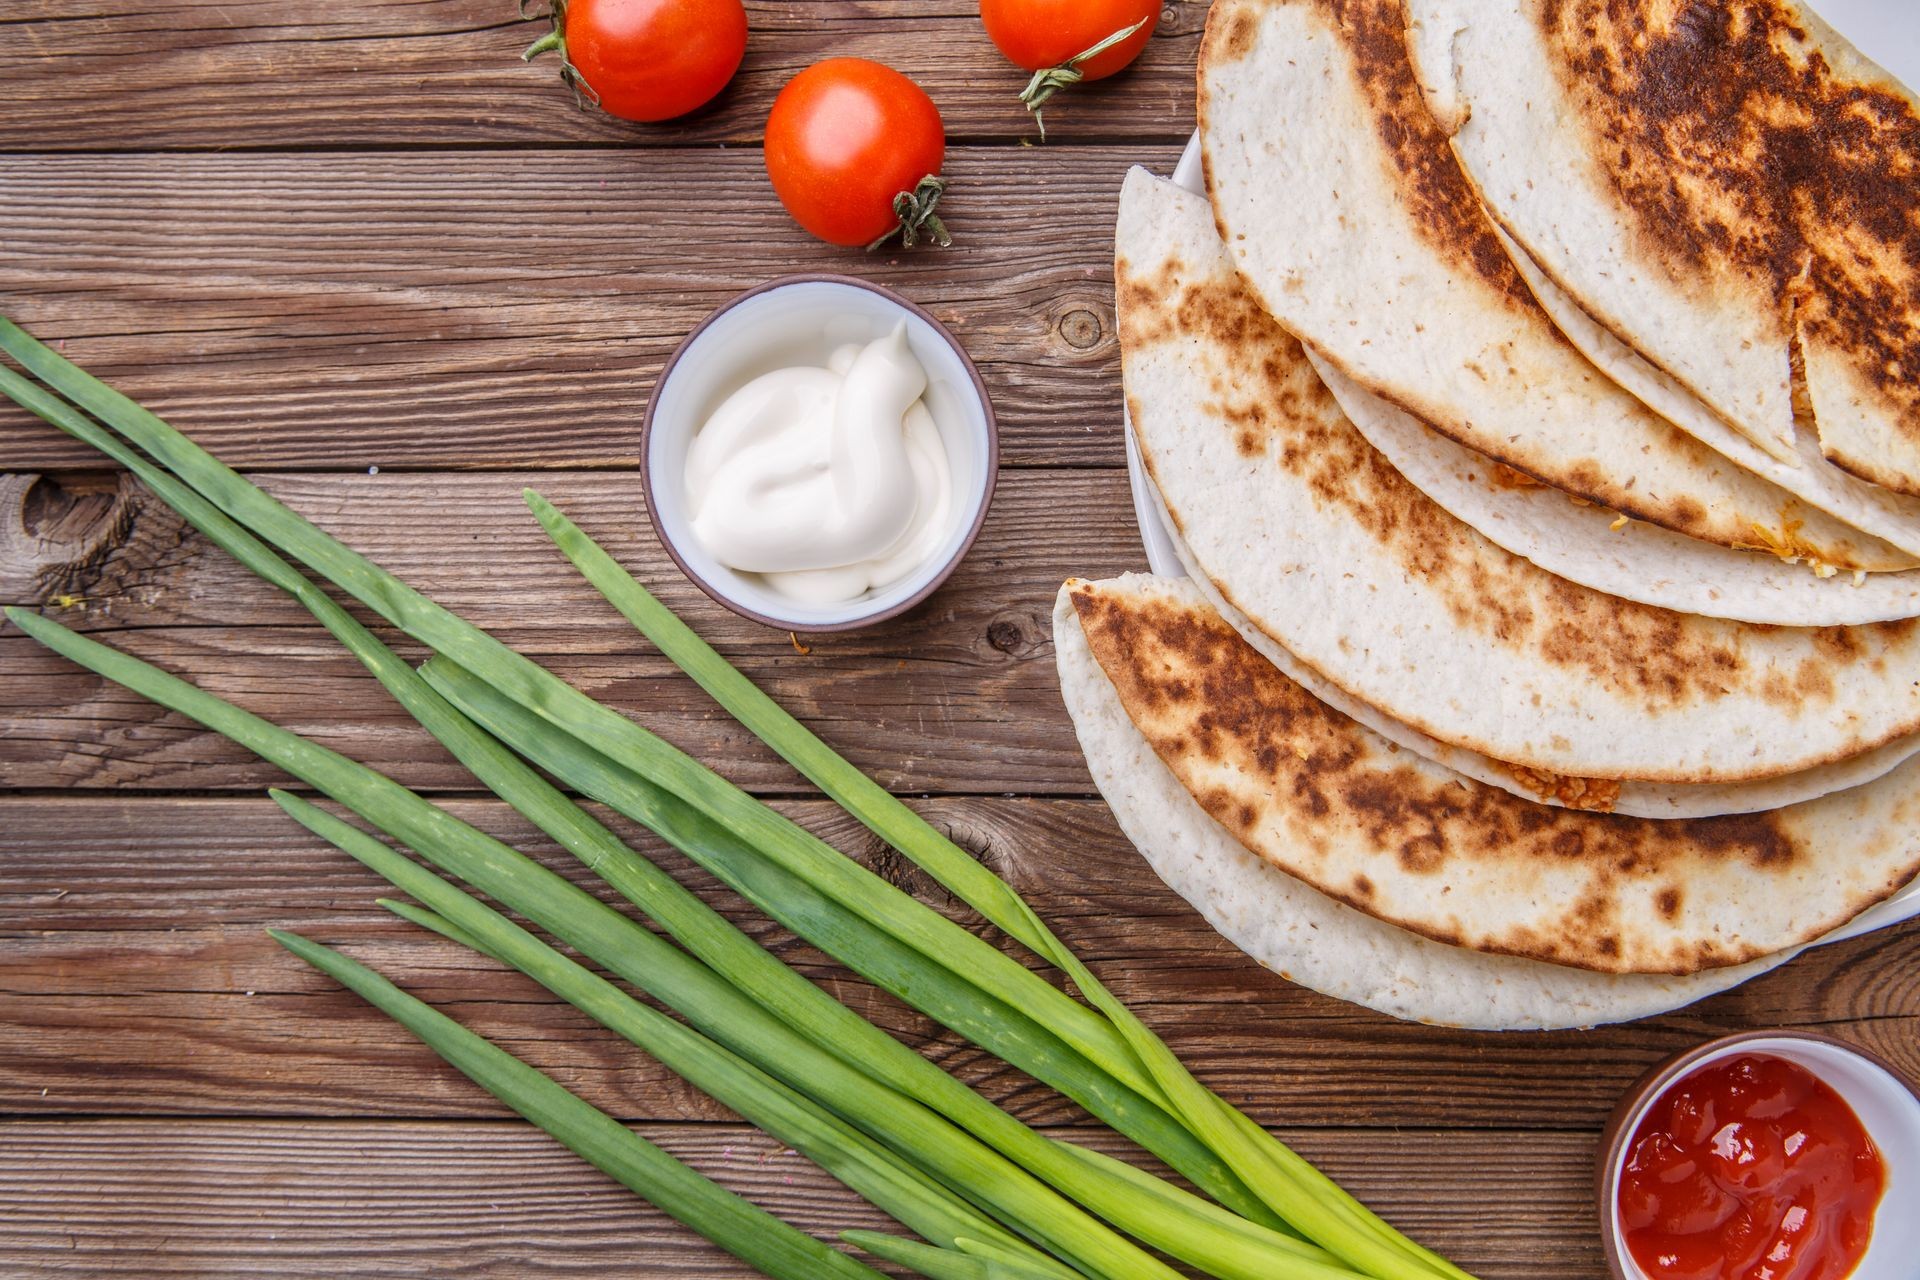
point(828, 483)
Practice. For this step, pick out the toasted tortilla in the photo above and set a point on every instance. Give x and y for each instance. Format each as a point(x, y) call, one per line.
point(1301, 933)
point(1310, 533)
point(1410, 843)
point(1594, 547)
point(1600, 795)
point(1717, 185)
point(1335, 191)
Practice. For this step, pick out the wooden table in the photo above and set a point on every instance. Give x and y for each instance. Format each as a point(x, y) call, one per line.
point(358, 249)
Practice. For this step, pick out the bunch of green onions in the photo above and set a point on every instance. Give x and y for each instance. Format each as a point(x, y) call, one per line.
point(991, 1198)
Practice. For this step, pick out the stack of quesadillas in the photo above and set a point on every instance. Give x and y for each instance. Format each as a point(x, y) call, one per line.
point(1527, 400)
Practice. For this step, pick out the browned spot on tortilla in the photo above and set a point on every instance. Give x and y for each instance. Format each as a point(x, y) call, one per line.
point(1294, 765)
point(1362, 887)
point(1668, 900)
point(1236, 38)
point(1444, 207)
point(1739, 149)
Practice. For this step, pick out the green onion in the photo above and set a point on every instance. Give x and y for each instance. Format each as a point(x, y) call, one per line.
point(913, 1199)
point(1165, 1216)
point(1293, 1187)
point(938, 1264)
point(1121, 1046)
point(1229, 1246)
point(748, 1232)
point(536, 688)
point(633, 953)
point(425, 919)
point(940, 940)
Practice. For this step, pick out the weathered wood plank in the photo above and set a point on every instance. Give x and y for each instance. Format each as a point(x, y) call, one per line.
point(959, 696)
point(135, 979)
point(514, 309)
point(501, 1201)
point(134, 74)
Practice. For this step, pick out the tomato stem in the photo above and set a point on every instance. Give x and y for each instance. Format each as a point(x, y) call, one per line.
point(1051, 80)
point(915, 211)
point(556, 41)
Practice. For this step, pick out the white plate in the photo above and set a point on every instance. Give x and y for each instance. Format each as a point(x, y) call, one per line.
point(1165, 561)
point(1161, 557)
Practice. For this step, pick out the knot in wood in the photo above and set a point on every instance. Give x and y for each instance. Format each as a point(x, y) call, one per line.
point(54, 537)
point(1080, 329)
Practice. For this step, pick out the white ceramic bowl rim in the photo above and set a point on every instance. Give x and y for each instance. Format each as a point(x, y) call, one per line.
point(923, 581)
point(1885, 1101)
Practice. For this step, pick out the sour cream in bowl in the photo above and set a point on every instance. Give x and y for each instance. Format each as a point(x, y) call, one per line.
point(819, 454)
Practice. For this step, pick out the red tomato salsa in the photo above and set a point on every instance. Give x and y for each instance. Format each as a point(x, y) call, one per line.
point(1750, 1168)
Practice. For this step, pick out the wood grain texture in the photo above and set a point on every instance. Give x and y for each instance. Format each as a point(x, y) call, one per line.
point(960, 695)
point(327, 239)
point(475, 1201)
point(135, 978)
point(513, 309)
point(146, 74)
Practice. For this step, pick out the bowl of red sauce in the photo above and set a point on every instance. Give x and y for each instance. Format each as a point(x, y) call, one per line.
point(1769, 1155)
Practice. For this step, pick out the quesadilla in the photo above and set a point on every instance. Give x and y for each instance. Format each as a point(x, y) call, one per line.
point(1409, 843)
point(1293, 928)
point(1728, 188)
point(1336, 193)
point(1596, 548)
point(1805, 472)
point(1308, 531)
point(1599, 795)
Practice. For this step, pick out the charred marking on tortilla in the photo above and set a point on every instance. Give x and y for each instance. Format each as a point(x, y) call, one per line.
point(1741, 150)
point(1443, 205)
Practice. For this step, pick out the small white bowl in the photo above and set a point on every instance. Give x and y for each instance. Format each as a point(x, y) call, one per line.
point(1886, 1103)
point(799, 320)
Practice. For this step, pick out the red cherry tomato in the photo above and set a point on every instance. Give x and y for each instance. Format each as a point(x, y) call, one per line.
point(648, 60)
point(854, 151)
point(1038, 34)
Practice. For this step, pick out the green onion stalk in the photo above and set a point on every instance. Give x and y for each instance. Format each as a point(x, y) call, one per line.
point(1117, 1041)
point(967, 1260)
point(635, 954)
point(1090, 1037)
point(743, 1229)
point(1167, 1217)
point(1162, 1215)
point(871, 1170)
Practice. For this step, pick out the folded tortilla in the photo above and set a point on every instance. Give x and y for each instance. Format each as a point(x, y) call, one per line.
point(1594, 547)
point(1410, 843)
point(1293, 928)
point(1728, 188)
point(1308, 531)
point(1804, 471)
point(1339, 199)
point(1600, 795)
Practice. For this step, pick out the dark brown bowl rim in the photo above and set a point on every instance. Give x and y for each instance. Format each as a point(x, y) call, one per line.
point(1655, 1081)
point(979, 516)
